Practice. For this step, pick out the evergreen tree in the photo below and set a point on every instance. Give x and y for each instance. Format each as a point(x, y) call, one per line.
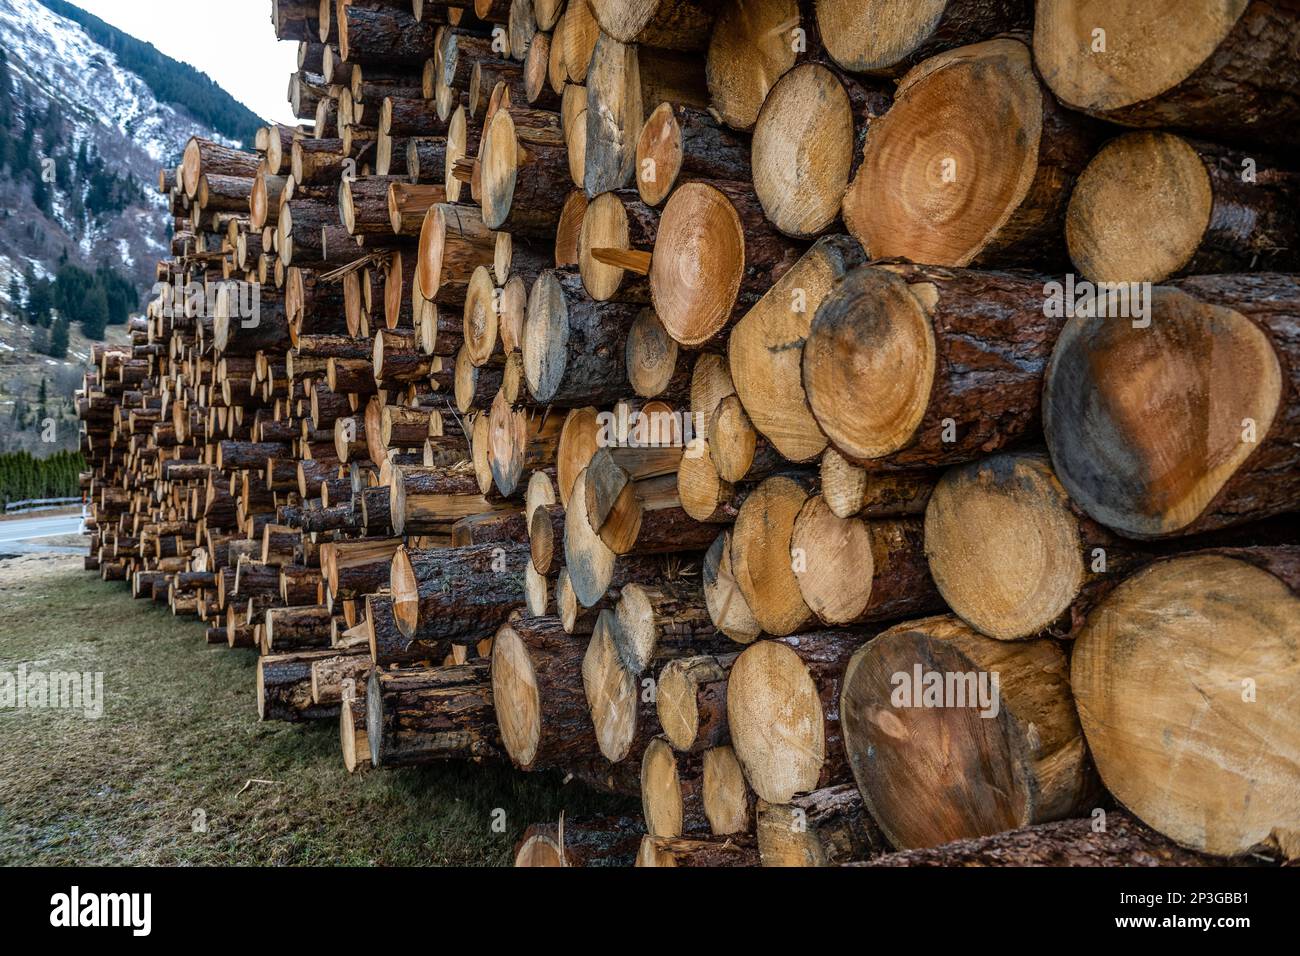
point(39, 302)
point(15, 294)
point(58, 345)
point(94, 313)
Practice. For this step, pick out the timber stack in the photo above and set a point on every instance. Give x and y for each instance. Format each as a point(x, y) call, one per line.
point(853, 428)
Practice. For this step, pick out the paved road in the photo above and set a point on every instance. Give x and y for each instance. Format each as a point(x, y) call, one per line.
point(25, 535)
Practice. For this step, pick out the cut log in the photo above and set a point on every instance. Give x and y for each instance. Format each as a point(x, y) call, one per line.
point(284, 687)
point(852, 571)
point(691, 696)
point(672, 791)
point(624, 84)
point(655, 367)
point(520, 441)
point(765, 349)
point(428, 498)
point(616, 223)
point(572, 344)
point(806, 145)
point(606, 841)
point(461, 594)
point(525, 171)
point(715, 255)
point(1116, 839)
point(852, 490)
point(910, 367)
point(387, 643)
point(352, 735)
point(1184, 420)
point(453, 243)
point(824, 828)
point(1230, 76)
point(1010, 553)
point(670, 24)
point(752, 46)
point(540, 702)
point(1201, 750)
point(947, 178)
point(724, 598)
point(297, 628)
point(660, 621)
point(386, 35)
point(954, 735)
point(885, 38)
point(760, 554)
point(1218, 211)
point(426, 714)
point(734, 850)
point(678, 143)
point(622, 710)
point(728, 800)
point(783, 708)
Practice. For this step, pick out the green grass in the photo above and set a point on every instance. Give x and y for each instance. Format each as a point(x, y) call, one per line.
point(180, 733)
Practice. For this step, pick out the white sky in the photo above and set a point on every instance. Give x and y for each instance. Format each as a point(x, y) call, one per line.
point(229, 40)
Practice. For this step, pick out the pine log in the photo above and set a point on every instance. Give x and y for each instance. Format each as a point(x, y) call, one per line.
point(724, 597)
point(1186, 419)
point(422, 715)
point(572, 344)
point(619, 222)
point(715, 255)
point(1230, 76)
point(879, 38)
point(734, 850)
point(284, 687)
point(672, 791)
point(624, 84)
point(680, 142)
point(1218, 210)
point(952, 360)
point(1199, 751)
point(947, 179)
point(1117, 839)
point(823, 828)
point(852, 490)
point(783, 708)
point(460, 594)
point(622, 708)
point(605, 841)
point(541, 705)
point(954, 735)
point(1012, 555)
point(852, 571)
point(691, 697)
point(765, 349)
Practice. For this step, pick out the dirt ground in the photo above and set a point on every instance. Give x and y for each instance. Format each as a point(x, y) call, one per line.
point(178, 769)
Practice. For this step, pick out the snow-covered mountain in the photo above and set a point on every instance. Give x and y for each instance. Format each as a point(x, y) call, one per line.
point(100, 107)
point(88, 115)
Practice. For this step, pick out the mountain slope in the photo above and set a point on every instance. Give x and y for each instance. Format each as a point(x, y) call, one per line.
point(82, 136)
point(170, 81)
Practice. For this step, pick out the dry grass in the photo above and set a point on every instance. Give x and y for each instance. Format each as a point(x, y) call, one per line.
point(180, 733)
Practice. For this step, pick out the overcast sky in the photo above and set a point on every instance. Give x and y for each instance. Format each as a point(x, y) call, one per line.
point(230, 40)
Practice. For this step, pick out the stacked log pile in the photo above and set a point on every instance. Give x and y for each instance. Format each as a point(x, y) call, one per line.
point(695, 399)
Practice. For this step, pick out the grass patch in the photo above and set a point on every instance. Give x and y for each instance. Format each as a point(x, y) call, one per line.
point(179, 734)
